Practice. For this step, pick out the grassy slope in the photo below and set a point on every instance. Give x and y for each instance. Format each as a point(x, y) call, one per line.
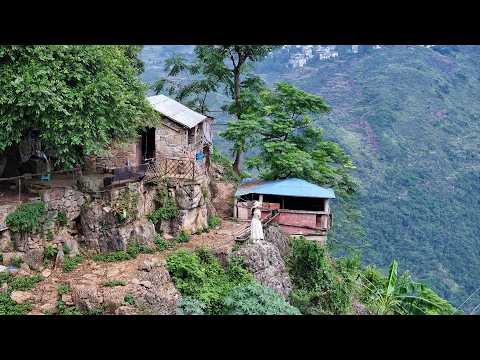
point(410, 119)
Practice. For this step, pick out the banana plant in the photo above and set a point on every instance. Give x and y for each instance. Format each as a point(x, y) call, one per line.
point(402, 296)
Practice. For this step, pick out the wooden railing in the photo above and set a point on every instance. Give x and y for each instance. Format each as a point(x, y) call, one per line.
point(173, 169)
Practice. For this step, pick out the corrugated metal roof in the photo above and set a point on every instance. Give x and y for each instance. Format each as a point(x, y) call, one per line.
point(176, 111)
point(288, 187)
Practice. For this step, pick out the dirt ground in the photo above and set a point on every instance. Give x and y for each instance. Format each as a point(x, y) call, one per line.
point(219, 240)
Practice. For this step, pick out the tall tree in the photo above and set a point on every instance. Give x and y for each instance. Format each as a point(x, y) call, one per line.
point(278, 125)
point(79, 97)
point(224, 68)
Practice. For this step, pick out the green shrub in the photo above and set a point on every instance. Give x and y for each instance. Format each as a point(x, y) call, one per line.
point(319, 287)
point(23, 283)
point(205, 192)
point(125, 206)
point(131, 253)
point(113, 283)
point(63, 309)
point(190, 306)
point(50, 235)
point(129, 299)
point(255, 299)
point(61, 219)
point(50, 252)
point(199, 275)
point(161, 243)
point(183, 237)
point(63, 289)
point(168, 208)
point(26, 218)
point(10, 307)
point(214, 221)
point(66, 249)
point(71, 263)
point(16, 261)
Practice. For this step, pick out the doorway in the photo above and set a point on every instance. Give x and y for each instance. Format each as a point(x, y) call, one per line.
point(148, 145)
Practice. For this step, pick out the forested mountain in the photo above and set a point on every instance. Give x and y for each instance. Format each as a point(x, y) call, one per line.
point(409, 117)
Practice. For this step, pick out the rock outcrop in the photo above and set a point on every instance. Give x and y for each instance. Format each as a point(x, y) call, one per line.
point(222, 197)
point(264, 261)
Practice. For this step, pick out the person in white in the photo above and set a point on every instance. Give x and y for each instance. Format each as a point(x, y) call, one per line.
point(256, 229)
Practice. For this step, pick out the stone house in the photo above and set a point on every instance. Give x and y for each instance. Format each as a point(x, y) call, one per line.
point(181, 134)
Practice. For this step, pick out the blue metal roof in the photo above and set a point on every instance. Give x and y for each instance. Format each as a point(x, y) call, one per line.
point(287, 187)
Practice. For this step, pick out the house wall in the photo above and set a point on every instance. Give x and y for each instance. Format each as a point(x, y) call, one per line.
point(119, 155)
point(171, 140)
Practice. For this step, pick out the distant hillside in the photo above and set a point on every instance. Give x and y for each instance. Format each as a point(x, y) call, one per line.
point(409, 116)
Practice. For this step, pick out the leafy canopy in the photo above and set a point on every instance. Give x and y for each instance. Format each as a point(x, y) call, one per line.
point(80, 97)
point(223, 70)
point(278, 125)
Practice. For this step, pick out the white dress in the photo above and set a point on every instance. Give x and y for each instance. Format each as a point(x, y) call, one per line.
point(256, 229)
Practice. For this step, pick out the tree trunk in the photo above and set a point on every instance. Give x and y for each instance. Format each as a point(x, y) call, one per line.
point(237, 164)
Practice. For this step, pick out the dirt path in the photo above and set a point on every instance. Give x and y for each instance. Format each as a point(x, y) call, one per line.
point(93, 274)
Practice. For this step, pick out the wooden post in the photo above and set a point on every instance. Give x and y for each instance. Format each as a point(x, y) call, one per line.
point(260, 198)
point(19, 190)
point(235, 210)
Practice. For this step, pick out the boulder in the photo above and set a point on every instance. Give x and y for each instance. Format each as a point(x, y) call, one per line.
point(277, 237)
point(103, 234)
point(46, 273)
point(21, 297)
point(86, 297)
point(126, 310)
point(3, 269)
point(264, 261)
point(9, 256)
point(155, 292)
point(60, 257)
point(34, 258)
point(6, 243)
point(191, 220)
point(222, 197)
point(189, 196)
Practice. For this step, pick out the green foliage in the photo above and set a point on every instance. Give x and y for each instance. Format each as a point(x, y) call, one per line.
point(80, 97)
point(183, 237)
point(26, 218)
point(278, 126)
point(63, 289)
point(320, 287)
point(213, 222)
point(16, 261)
point(255, 299)
point(190, 306)
point(23, 283)
point(62, 219)
point(71, 263)
point(227, 165)
point(218, 68)
point(161, 243)
point(199, 275)
point(63, 309)
point(10, 307)
point(131, 253)
point(129, 299)
point(50, 235)
point(400, 295)
point(66, 249)
point(125, 206)
point(168, 207)
point(205, 192)
point(50, 252)
point(113, 283)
